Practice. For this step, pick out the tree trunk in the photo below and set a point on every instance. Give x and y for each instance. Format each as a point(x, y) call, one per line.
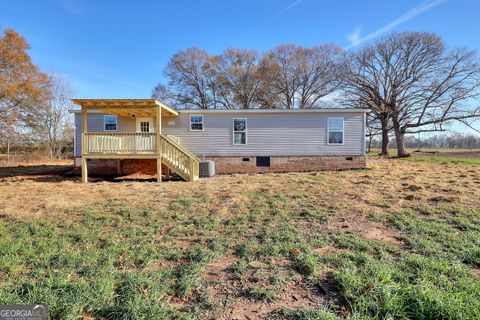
point(399, 137)
point(8, 152)
point(385, 139)
point(369, 148)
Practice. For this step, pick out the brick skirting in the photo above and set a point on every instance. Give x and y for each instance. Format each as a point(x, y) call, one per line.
point(227, 165)
point(127, 166)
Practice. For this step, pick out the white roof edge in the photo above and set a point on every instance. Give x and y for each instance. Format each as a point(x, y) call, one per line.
point(325, 110)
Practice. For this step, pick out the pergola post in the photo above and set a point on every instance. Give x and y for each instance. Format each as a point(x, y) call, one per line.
point(84, 159)
point(158, 131)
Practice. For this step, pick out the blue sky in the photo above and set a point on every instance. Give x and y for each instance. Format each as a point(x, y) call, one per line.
point(116, 49)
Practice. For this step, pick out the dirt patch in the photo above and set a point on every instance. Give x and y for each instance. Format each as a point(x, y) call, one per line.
point(382, 234)
point(218, 269)
point(294, 297)
point(230, 291)
point(328, 250)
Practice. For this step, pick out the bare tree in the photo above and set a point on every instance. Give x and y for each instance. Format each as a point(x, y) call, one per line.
point(278, 69)
point(162, 93)
point(50, 123)
point(237, 78)
point(366, 86)
point(319, 73)
point(412, 80)
point(373, 129)
point(430, 85)
point(301, 76)
point(190, 79)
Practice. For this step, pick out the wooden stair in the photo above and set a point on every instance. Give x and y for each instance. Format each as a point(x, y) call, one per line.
point(178, 159)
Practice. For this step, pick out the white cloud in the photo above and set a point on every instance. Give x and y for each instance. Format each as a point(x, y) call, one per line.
point(355, 39)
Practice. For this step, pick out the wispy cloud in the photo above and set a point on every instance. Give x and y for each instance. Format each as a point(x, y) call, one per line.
point(355, 37)
point(275, 15)
point(71, 6)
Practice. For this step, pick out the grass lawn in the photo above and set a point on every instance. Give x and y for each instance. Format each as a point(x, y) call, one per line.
point(440, 156)
point(400, 240)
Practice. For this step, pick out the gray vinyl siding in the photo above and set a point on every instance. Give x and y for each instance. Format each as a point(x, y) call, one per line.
point(95, 124)
point(269, 134)
point(295, 134)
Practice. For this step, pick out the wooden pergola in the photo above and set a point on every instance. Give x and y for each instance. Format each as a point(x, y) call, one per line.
point(125, 108)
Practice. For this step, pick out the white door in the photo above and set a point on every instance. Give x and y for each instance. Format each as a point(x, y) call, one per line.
point(145, 124)
point(145, 142)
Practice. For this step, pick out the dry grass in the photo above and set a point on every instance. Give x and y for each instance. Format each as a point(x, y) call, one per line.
point(386, 184)
point(272, 241)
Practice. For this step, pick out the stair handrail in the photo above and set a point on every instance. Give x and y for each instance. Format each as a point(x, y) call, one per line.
point(179, 146)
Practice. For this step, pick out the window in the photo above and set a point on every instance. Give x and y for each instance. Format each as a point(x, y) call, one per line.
point(110, 123)
point(335, 130)
point(239, 131)
point(196, 122)
point(144, 126)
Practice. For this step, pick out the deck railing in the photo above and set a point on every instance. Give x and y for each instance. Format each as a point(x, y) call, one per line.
point(116, 142)
point(174, 155)
point(180, 159)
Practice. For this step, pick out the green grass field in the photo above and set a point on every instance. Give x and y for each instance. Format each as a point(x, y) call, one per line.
point(439, 156)
point(334, 245)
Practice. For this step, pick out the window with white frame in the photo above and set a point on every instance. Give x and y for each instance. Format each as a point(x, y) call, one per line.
point(196, 122)
point(335, 130)
point(109, 123)
point(239, 131)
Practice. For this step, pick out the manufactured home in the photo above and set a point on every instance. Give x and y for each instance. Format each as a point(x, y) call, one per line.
point(124, 136)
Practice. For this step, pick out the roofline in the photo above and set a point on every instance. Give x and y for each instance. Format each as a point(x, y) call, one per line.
point(246, 111)
point(149, 103)
point(241, 111)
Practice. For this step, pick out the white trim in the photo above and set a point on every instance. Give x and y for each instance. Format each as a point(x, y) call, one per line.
point(74, 138)
point(246, 111)
point(328, 131)
point(233, 132)
point(116, 122)
point(364, 132)
point(190, 122)
point(287, 111)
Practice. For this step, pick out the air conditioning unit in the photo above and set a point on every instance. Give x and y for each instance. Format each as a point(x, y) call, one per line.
point(206, 168)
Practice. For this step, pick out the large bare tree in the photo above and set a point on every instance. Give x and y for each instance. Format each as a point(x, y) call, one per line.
point(191, 80)
point(301, 76)
point(279, 74)
point(237, 78)
point(413, 84)
point(365, 86)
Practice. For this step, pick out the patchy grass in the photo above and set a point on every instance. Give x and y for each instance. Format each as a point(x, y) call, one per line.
point(399, 240)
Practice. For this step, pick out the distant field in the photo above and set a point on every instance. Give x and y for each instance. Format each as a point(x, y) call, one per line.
point(399, 240)
point(441, 156)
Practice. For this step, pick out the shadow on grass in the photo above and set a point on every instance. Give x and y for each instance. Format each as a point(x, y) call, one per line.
point(35, 171)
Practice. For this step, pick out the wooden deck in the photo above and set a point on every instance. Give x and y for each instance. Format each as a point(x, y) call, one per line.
point(132, 145)
point(135, 145)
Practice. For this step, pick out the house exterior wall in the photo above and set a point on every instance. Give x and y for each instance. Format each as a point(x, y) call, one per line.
point(268, 134)
point(95, 124)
